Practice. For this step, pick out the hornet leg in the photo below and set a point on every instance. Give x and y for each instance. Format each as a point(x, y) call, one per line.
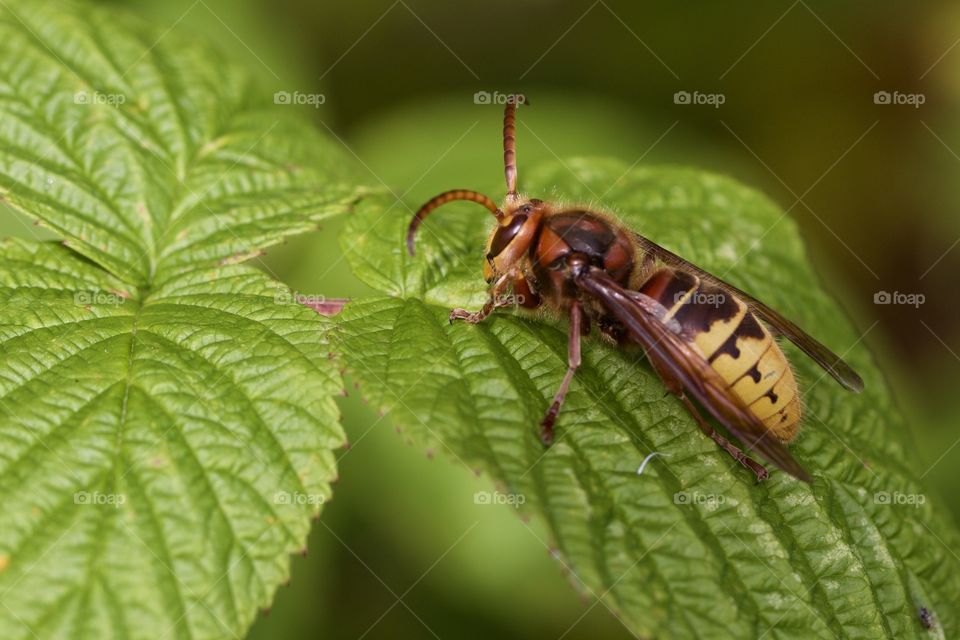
point(758, 469)
point(474, 317)
point(573, 361)
point(674, 387)
point(496, 300)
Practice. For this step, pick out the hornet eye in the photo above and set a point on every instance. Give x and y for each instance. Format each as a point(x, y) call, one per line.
point(505, 235)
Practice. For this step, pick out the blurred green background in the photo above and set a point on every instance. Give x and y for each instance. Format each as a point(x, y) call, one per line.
point(403, 551)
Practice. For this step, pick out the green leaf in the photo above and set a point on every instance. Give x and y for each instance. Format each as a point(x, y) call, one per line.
point(692, 545)
point(166, 413)
point(149, 152)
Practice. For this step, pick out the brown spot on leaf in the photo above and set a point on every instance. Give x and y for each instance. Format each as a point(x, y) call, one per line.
point(327, 307)
point(243, 256)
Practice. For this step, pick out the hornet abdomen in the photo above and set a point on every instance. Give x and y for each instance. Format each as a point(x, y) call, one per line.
point(735, 343)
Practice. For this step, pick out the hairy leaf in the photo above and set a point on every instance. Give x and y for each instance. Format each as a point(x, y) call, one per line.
point(166, 413)
point(691, 547)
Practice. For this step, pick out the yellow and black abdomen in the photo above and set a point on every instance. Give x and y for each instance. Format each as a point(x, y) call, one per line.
point(736, 345)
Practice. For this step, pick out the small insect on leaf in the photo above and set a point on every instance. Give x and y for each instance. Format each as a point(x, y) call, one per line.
point(926, 618)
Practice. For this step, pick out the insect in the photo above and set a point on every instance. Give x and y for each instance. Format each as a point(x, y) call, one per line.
point(926, 618)
point(707, 340)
